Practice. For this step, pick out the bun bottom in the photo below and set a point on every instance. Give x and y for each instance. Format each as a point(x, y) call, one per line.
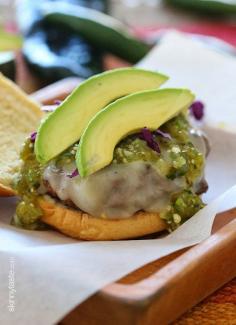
point(80, 225)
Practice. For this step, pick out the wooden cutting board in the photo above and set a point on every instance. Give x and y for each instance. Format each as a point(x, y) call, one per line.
point(161, 291)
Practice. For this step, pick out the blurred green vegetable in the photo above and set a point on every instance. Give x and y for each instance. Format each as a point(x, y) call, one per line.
point(100, 30)
point(207, 6)
point(52, 51)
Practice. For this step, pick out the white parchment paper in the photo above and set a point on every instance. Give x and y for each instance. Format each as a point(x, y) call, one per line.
point(52, 273)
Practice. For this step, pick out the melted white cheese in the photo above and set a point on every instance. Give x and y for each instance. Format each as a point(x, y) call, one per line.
point(117, 191)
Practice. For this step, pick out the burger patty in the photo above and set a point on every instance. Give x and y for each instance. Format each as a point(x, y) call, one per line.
point(201, 188)
point(49, 190)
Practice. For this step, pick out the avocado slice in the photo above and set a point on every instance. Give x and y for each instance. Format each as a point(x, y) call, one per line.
point(65, 125)
point(9, 41)
point(123, 117)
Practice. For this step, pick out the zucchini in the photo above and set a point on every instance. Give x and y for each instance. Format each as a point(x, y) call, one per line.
point(210, 6)
point(53, 52)
point(98, 29)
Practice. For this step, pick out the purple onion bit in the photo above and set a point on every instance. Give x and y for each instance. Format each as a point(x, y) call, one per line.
point(147, 136)
point(52, 108)
point(57, 102)
point(73, 174)
point(163, 134)
point(33, 137)
point(197, 110)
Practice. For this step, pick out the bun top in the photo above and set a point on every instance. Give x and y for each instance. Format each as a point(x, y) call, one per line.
point(19, 116)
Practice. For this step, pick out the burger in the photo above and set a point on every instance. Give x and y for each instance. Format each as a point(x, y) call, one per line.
point(117, 159)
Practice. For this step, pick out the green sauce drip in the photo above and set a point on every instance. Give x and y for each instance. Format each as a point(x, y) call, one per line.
point(27, 183)
point(183, 206)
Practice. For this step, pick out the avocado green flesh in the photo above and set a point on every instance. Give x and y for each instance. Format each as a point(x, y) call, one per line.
point(126, 116)
point(10, 42)
point(71, 118)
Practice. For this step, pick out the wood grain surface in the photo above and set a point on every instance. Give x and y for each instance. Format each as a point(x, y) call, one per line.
point(160, 292)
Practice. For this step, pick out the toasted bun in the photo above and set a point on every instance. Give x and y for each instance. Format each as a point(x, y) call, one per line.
point(77, 224)
point(19, 116)
point(6, 191)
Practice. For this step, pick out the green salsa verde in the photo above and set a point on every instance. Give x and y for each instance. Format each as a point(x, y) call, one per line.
point(178, 157)
point(27, 184)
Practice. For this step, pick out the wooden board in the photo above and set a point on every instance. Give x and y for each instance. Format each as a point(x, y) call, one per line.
point(161, 291)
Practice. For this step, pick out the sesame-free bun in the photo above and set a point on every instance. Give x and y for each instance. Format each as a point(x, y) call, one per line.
point(80, 225)
point(19, 116)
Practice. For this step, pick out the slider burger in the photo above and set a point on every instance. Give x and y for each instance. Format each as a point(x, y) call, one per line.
point(117, 159)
